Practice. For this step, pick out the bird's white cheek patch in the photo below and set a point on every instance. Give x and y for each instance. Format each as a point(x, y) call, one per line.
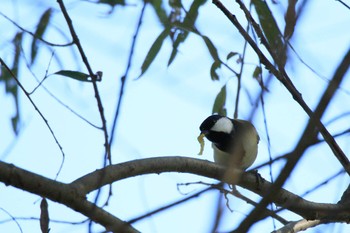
point(224, 125)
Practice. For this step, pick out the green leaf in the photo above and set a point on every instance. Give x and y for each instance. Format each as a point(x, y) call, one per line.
point(213, 70)
point(270, 29)
point(11, 86)
point(192, 14)
point(112, 3)
point(155, 48)
point(220, 101)
point(291, 19)
point(40, 30)
point(75, 75)
point(231, 54)
point(212, 49)
point(180, 38)
point(188, 23)
point(257, 73)
point(160, 11)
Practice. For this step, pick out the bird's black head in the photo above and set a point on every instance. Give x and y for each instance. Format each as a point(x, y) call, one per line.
point(208, 123)
point(218, 129)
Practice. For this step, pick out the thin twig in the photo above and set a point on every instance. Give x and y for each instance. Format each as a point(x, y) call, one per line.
point(51, 220)
point(197, 194)
point(344, 4)
point(35, 36)
point(12, 219)
point(123, 80)
point(323, 183)
point(37, 109)
point(125, 76)
point(92, 75)
point(51, 94)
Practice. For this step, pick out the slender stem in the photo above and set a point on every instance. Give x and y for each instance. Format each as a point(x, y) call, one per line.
point(92, 75)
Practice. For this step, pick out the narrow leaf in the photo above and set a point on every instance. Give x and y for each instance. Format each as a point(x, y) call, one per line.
point(291, 19)
point(213, 70)
point(155, 48)
point(212, 49)
point(10, 85)
point(220, 101)
point(192, 14)
point(179, 39)
point(112, 3)
point(230, 55)
point(160, 11)
point(270, 29)
point(257, 73)
point(75, 75)
point(188, 23)
point(40, 30)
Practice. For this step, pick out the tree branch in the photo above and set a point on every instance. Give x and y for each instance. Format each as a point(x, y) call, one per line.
point(61, 193)
point(296, 226)
point(258, 185)
point(283, 77)
point(73, 195)
point(91, 73)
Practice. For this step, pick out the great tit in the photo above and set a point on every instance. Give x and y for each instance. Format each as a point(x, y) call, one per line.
point(235, 142)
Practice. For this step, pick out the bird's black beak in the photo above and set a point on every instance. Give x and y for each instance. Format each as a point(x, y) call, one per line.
point(205, 132)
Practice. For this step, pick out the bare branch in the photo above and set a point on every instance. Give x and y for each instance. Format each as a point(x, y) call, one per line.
point(92, 75)
point(258, 185)
point(297, 226)
point(282, 76)
point(33, 35)
point(61, 193)
point(37, 109)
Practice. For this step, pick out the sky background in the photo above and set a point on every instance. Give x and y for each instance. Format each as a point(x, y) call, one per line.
point(161, 112)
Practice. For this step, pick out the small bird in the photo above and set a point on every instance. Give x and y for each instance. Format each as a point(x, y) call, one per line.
point(235, 142)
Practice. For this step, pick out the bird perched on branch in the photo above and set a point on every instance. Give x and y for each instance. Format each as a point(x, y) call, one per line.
point(235, 142)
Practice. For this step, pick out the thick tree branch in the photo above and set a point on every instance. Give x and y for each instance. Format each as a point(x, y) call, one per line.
point(73, 195)
point(61, 193)
point(283, 198)
point(296, 226)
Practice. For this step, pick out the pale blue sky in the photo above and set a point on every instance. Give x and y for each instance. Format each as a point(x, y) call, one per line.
point(161, 112)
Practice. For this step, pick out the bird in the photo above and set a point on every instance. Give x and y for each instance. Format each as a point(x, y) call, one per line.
point(234, 141)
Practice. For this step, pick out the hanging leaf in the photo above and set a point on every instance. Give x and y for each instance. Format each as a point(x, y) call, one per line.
point(291, 19)
point(271, 30)
point(44, 216)
point(231, 54)
point(257, 73)
point(160, 11)
point(179, 39)
point(112, 3)
point(213, 70)
point(220, 101)
point(40, 30)
point(188, 23)
point(212, 49)
point(75, 75)
point(192, 14)
point(11, 86)
point(154, 50)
